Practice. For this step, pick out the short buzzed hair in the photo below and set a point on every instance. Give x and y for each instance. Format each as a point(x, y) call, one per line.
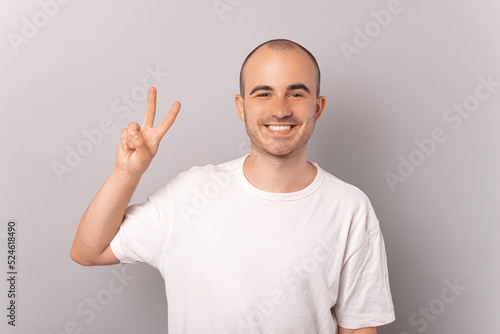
point(281, 45)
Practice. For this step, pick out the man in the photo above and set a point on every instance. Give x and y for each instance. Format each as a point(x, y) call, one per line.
point(266, 243)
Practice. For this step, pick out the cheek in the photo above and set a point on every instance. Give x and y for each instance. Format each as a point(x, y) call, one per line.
point(306, 112)
point(254, 113)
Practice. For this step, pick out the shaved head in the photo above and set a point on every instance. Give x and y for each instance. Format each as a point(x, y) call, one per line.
point(280, 45)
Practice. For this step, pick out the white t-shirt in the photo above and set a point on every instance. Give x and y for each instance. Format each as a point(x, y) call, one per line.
point(237, 259)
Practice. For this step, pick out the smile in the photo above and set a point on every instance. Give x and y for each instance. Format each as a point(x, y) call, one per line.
point(279, 127)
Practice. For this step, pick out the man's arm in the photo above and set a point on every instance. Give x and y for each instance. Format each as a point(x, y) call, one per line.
point(366, 330)
point(102, 219)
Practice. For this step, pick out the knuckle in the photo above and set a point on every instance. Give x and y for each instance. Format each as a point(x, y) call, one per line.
point(139, 139)
point(133, 125)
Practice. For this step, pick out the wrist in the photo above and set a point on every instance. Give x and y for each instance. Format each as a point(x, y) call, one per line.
point(124, 177)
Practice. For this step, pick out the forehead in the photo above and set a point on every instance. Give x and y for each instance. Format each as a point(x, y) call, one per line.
point(279, 68)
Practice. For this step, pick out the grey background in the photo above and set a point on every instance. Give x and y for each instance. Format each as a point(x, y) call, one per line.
point(439, 225)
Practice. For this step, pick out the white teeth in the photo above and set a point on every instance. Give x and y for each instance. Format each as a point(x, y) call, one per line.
point(279, 127)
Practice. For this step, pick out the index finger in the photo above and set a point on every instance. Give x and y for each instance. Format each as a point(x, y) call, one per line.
point(149, 116)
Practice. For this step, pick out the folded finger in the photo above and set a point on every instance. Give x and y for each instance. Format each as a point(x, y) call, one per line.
point(124, 139)
point(132, 127)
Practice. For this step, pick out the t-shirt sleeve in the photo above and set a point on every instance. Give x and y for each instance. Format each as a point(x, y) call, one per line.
point(143, 233)
point(364, 297)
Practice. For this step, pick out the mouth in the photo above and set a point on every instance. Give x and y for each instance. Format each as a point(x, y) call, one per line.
point(280, 128)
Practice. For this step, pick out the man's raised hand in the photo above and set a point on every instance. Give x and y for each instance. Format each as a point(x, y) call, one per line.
point(139, 144)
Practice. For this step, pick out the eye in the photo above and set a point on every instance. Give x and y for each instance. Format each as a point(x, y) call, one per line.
point(263, 95)
point(296, 95)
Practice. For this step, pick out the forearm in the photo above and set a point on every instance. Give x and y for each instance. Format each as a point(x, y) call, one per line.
point(103, 217)
point(367, 330)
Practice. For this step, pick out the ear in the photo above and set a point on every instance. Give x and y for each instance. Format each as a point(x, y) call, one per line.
point(239, 106)
point(320, 105)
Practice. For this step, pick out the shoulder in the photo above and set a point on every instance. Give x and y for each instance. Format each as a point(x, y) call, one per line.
point(206, 172)
point(353, 205)
point(342, 191)
point(349, 199)
point(198, 177)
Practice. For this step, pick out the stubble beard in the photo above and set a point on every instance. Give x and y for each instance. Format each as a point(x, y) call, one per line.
point(280, 150)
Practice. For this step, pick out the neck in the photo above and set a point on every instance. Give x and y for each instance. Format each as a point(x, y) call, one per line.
point(279, 174)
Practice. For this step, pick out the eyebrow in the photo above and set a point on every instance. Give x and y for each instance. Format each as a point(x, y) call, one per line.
point(271, 89)
point(262, 87)
point(299, 86)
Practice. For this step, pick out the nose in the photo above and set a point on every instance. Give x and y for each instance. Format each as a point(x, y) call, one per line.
point(281, 108)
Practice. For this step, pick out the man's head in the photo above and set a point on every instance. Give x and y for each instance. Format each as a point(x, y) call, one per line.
point(281, 45)
point(279, 100)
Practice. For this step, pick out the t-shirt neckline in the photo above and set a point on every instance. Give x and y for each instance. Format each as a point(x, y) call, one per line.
point(295, 195)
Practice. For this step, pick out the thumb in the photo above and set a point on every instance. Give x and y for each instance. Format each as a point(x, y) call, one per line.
point(141, 149)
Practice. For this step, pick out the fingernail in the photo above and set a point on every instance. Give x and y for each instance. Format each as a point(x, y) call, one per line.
point(134, 134)
point(125, 147)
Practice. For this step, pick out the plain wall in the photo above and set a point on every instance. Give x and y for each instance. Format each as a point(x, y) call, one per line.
point(392, 126)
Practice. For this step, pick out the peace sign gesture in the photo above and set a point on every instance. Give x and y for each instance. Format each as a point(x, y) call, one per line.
point(139, 144)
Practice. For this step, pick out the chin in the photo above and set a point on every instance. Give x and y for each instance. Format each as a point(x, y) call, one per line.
point(280, 152)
